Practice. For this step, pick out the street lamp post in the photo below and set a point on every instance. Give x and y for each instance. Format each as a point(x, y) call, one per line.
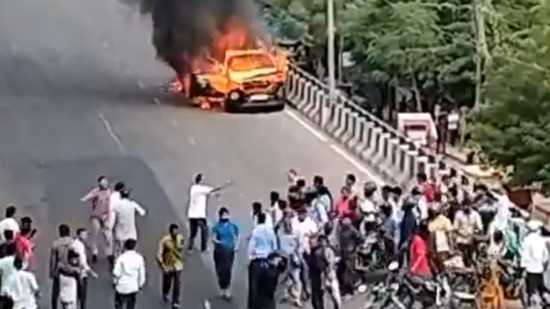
point(330, 64)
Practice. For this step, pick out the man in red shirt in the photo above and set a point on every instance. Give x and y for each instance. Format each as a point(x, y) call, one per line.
point(420, 253)
point(24, 244)
point(344, 205)
point(428, 188)
point(100, 216)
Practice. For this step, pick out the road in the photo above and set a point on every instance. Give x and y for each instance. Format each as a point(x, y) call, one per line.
point(79, 90)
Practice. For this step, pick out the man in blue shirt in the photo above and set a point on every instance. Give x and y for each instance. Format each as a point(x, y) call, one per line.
point(226, 241)
point(262, 243)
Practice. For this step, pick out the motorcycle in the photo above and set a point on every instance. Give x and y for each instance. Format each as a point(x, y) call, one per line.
point(386, 293)
point(449, 291)
point(513, 282)
point(371, 252)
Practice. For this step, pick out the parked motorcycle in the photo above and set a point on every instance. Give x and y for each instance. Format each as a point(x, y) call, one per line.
point(513, 282)
point(386, 294)
point(449, 291)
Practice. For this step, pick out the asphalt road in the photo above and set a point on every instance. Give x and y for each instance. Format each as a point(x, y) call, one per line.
point(79, 97)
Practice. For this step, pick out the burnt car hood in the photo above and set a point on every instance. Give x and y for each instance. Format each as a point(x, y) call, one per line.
point(242, 77)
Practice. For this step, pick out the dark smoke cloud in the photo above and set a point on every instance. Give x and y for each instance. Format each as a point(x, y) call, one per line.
point(184, 29)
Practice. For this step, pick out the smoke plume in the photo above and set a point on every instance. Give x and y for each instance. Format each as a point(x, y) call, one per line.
point(186, 29)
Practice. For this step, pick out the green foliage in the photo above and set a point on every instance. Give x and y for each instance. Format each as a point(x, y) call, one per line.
point(429, 43)
point(433, 46)
point(513, 129)
point(303, 20)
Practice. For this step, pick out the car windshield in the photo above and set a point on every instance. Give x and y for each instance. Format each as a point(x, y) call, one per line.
point(243, 63)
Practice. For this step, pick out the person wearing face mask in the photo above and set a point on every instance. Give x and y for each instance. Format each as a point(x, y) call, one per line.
point(101, 213)
point(226, 238)
point(467, 224)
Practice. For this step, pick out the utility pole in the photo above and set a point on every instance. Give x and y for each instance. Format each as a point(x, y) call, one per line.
point(330, 64)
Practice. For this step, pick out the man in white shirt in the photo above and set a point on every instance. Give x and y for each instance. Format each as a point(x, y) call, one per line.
point(115, 195)
point(9, 222)
point(128, 276)
point(534, 259)
point(368, 206)
point(275, 209)
point(196, 213)
point(21, 287)
point(6, 270)
point(257, 208)
point(503, 215)
point(262, 243)
point(304, 228)
point(79, 246)
point(125, 219)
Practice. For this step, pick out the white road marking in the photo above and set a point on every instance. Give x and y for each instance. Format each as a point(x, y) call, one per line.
point(361, 167)
point(192, 141)
point(343, 153)
point(157, 101)
point(175, 122)
point(112, 133)
point(140, 85)
point(307, 126)
point(105, 44)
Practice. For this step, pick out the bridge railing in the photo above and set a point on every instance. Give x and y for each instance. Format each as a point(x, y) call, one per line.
point(384, 148)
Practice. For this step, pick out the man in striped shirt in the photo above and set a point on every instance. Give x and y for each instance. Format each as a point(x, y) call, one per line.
point(100, 216)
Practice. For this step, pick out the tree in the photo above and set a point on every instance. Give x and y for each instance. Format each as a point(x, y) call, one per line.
point(426, 46)
point(303, 21)
point(513, 129)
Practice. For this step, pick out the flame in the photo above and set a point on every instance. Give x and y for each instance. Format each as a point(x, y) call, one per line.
point(238, 47)
point(234, 36)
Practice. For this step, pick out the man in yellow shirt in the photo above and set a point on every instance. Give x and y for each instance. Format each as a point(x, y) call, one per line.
point(440, 228)
point(170, 259)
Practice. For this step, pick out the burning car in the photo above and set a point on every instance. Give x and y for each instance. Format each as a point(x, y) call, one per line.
point(244, 78)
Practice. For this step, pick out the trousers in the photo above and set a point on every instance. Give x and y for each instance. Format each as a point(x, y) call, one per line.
point(99, 231)
point(171, 280)
point(194, 226)
point(126, 301)
point(223, 261)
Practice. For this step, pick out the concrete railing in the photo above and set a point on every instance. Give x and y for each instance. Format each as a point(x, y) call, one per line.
point(382, 147)
point(385, 149)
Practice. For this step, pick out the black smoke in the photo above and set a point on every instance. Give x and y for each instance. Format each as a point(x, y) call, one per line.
point(185, 29)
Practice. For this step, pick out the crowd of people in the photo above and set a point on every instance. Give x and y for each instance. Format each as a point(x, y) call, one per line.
point(308, 241)
point(113, 228)
point(320, 239)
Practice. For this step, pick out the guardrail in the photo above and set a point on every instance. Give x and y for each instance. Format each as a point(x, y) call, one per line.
point(387, 150)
